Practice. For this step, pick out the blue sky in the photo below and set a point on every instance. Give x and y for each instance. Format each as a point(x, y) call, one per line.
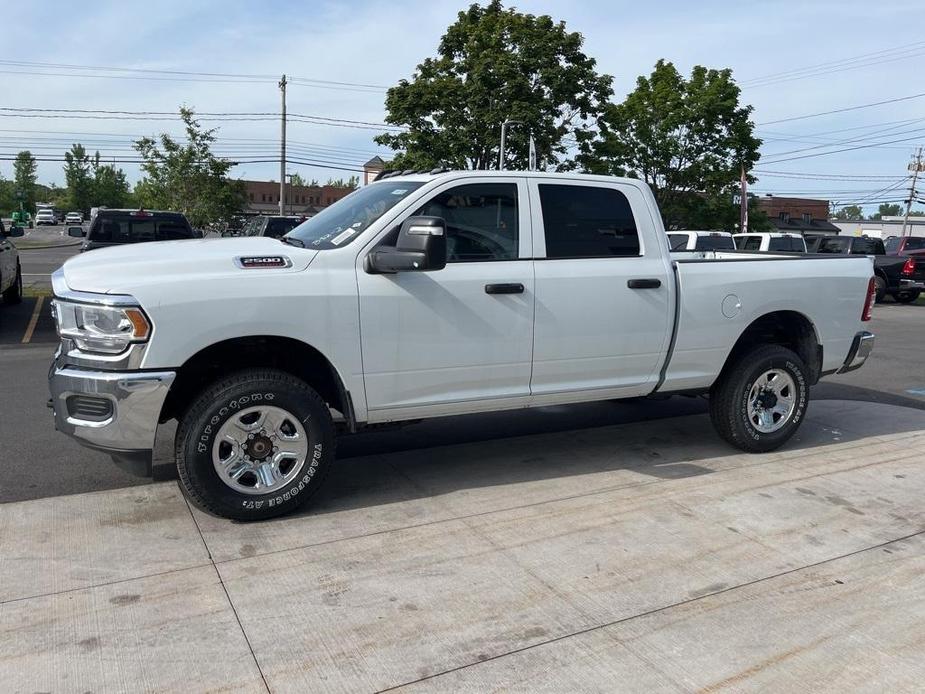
point(378, 43)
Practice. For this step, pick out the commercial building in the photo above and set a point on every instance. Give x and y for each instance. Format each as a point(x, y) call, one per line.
point(802, 215)
point(262, 197)
point(882, 228)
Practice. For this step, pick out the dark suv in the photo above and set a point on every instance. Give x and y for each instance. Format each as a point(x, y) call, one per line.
point(274, 227)
point(118, 227)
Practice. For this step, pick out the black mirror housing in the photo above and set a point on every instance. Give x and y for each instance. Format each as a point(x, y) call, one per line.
point(76, 232)
point(421, 247)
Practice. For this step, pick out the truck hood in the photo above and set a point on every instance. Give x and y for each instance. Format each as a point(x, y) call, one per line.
point(119, 270)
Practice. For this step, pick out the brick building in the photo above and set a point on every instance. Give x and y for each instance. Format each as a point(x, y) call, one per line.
point(262, 197)
point(804, 215)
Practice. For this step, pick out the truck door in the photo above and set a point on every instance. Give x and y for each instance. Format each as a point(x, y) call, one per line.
point(603, 290)
point(463, 333)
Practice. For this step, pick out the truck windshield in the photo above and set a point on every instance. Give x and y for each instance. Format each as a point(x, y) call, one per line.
point(339, 224)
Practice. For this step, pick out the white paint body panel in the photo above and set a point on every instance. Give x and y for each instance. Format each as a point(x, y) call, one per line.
point(416, 345)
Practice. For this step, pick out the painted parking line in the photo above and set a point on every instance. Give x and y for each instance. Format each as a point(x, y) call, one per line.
point(36, 312)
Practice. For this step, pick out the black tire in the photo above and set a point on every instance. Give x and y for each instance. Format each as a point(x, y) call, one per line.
point(907, 297)
point(215, 406)
point(13, 294)
point(880, 284)
point(729, 398)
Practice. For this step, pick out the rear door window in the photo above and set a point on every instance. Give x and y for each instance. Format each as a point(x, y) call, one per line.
point(587, 222)
point(834, 244)
point(715, 242)
point(677, 242)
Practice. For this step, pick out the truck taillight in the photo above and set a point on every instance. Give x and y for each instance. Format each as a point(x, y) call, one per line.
point(909, 267)
point(869, 301)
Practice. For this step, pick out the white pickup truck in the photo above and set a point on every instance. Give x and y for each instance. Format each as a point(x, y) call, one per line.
point(431, 294)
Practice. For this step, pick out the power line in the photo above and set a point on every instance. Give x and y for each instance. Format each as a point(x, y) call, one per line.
point(897, 53)
point(176, 75)
point(844, 110)
point(838, 151)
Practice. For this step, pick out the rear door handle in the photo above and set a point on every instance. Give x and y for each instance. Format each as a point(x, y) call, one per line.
point(509, 288)
point(644, 284)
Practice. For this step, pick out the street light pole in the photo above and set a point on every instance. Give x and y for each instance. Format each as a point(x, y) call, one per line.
point(504, 140)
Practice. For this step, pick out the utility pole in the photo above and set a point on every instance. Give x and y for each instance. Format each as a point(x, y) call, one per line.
point(282, 150)
point(914, 167)
point(743, 203)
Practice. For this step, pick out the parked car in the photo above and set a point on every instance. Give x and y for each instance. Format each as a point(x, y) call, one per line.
point(46, 215)
point(770, 242)
point(119, 227)
point(74, 218)
point(700, 241)
point(905, 245)
point(275, 227)
point(10, 269)
point(425, 295)
point(901, 277)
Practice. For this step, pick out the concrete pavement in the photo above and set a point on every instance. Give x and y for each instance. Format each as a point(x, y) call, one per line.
point(643, 557)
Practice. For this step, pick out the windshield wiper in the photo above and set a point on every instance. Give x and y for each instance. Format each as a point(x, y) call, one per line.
point(292, 241)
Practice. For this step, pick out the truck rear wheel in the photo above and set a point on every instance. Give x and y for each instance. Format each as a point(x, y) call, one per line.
point(255, 445)
point(760, 400)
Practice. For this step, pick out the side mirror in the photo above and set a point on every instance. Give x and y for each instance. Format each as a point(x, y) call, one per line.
point(76, 232)
point(421, 247)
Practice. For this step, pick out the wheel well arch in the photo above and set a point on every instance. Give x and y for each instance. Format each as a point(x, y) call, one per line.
point(790, 329)
point(269, 351)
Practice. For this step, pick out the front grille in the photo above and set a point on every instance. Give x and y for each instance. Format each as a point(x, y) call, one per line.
point(89, 408)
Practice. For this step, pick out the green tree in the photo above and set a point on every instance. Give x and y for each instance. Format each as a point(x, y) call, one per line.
point(24, 177)
point(352, 182)
point(110, 187)
point(296, 180)
point(681, 136)
point(188, 177)
point(80, 186)
point(495, 64)
point(888, 209)
point(850, 213)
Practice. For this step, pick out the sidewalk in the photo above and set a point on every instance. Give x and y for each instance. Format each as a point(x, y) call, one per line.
point(646, 557)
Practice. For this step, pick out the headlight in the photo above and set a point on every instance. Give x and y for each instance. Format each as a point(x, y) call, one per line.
point(102, 329)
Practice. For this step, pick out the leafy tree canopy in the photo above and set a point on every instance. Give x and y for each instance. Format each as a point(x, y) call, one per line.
point(495, 64)
point(681, 136)
point(188, 177)
point(24, 179)
point(850, 213)
point(887, 209)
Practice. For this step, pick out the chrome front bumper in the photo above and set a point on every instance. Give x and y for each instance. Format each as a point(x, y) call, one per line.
point(861, 347)
point(129, 402)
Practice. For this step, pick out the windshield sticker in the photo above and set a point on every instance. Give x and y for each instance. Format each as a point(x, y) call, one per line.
point(399, 191)
point(340, 238)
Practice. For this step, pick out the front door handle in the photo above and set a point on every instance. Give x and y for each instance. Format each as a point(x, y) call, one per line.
point(644, 284)
point(509, 288)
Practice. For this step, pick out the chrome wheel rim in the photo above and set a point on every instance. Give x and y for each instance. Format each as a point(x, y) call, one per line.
point(260, 450)
point(772, 400)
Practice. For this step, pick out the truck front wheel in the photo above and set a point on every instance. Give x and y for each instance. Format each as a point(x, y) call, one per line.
point(760, 400)
point(255, 445)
